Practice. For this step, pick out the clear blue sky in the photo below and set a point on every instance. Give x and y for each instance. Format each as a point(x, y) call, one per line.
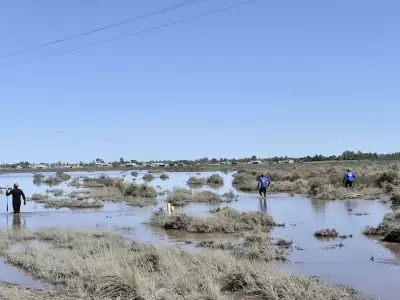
point(270, 78)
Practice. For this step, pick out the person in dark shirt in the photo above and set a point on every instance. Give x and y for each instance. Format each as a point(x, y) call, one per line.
point(16, 197)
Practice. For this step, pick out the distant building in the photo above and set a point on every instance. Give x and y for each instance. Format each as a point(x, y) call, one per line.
point(99, 164)
point(256, 162)
point(38, 167)
point(130, 165)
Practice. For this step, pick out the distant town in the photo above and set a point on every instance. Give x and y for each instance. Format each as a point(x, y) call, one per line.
point(98, 162)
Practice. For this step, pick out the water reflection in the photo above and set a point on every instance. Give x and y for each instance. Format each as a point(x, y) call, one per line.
point(17, 225)
point(263, 205)
point(16, 220)
point(318, 204)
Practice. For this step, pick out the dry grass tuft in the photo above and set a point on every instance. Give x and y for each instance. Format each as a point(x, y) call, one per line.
point(73, 204)
point(148, 177)
point(225, 220)
point(181, 197)
point(215, 180)
point(389, 228)
point(195, 181)
point(164, 176)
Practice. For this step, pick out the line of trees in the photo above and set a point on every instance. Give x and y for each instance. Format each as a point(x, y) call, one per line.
point(346, 155)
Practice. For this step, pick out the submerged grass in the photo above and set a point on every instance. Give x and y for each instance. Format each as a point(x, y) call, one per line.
point(164, 176)
point(226, 220)
point(12, 292)
point(326, 233)
point(105, 266)
point(55, 192)
point(255, 246)
point(148, 177)
point(75, 182)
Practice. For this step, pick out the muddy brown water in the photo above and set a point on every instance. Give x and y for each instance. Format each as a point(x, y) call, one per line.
point(368, 265)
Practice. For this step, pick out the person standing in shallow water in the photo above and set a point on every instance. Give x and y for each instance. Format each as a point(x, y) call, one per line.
point(263, 184)
point(16, 197)
point(349, 178)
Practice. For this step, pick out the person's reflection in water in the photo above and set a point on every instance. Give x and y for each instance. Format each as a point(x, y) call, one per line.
point(263, 205)
point(350, 206)
point(16, 226)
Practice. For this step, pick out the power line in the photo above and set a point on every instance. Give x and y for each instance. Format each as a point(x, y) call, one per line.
point(164, 10)
point(129, 35)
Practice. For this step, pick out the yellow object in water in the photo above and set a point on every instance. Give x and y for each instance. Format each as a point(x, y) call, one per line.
point(170, 208)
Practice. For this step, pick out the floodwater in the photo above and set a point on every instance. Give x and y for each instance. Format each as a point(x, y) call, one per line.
point(368, 265)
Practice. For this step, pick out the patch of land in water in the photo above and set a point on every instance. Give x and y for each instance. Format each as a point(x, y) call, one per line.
point(104, 265)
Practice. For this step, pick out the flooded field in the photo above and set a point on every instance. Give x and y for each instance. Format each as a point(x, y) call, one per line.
point(368, 265)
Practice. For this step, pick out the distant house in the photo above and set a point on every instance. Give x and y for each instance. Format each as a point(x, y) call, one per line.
point(38, 167)
point(99, 164)
point(256, 162)
point(158, 165)
point(291, 161)
point(130, 165)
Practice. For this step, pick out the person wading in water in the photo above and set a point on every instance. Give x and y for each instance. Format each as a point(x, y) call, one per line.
point(16, 197)
point(263, 184)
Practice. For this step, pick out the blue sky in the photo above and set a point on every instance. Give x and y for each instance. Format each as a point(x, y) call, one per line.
point(269, 78)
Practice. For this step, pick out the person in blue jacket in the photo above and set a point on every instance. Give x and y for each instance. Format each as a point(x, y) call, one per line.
point(349, 178)
point(263, 184)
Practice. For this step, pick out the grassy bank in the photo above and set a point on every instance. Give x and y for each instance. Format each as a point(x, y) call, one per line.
point(102, 265)
point(323, 180)
point(389, 228)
